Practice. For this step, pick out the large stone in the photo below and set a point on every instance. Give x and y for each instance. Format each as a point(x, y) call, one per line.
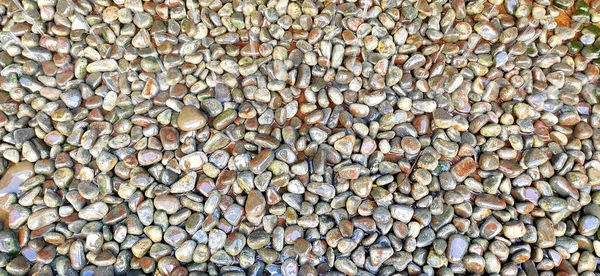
point(94, 211)
point(15, 176)
point(190, 119)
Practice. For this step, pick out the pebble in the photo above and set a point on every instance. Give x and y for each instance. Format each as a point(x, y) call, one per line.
point(9, 243)
point(105, 65)
point(258, 239)
point(42, 217)
point(185, 184)
point(168, 203)
point(255, 204)
point(588, 225)
point(95, 211)
point(362, 186)
point(345, 144)
point(457, 248)
point(15, 176)
point(190, 119)
point(299, 138)
point(463, 168)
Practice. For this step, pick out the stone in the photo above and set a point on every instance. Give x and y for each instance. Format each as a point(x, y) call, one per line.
point(94, 211)
point(191, 118)
point(15, 176)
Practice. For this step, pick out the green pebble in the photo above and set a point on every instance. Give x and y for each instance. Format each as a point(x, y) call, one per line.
point(563, 4)
point(582, 5)
point(574, 46)
point(112, 116)
point(593, 29)
point(581, 16)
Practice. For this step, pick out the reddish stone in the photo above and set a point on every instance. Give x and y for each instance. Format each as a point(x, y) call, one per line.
point(464, 168)
point(510, 169)
point(224, 181)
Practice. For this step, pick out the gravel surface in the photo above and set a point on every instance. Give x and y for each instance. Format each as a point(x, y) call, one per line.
point(252, 137)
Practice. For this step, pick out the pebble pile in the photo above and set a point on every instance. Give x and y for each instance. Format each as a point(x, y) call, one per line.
point(281, 137)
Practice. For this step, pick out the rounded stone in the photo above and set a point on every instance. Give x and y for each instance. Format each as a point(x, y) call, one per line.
point(191, 118)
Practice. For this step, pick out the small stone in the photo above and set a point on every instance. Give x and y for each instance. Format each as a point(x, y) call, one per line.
point(18, 266)
point(402, 213)
point(514, 229)
point(167, 203)
point(552, 204)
